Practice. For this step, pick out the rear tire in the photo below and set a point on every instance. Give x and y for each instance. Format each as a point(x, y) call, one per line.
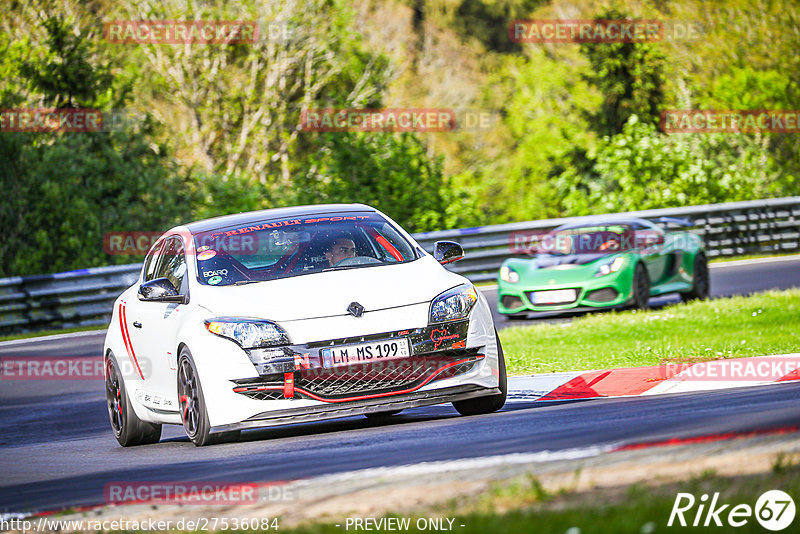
point(641, 287)
point(490, 403)
point(128, 428)
point(193, 406)
point(701, 281)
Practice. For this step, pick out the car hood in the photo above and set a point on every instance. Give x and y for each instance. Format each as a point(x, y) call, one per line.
point(330, 293)
point(554, 261)
point(554, 269)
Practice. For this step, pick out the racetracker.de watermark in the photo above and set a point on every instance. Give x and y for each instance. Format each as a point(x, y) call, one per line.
point(139, 243)
point(581, 241)
point(758, 369)
point(585, 31)
point(196, 493)
point(181, 31)
point(51, 120)
point(378, 120)
point(730, 121)
point(62, 368)
point(70, 120)
point(398, 120)
point(604, 31)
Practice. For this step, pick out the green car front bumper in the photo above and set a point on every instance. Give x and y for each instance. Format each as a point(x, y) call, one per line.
point(590, 291)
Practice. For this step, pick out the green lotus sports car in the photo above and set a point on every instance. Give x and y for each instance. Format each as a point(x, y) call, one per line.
point(602, 263)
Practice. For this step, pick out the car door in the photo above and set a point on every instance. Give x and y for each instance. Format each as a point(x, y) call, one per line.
point(154, 331)
point(651, 239)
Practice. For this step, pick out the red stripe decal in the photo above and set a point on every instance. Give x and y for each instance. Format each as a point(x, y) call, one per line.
point(122, 331)
point(127, 338)
point(389, 247)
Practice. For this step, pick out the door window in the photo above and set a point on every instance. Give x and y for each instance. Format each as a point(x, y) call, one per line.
point(173, 262)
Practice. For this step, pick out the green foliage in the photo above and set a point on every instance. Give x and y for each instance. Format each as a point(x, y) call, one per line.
point(545, 114)
point(642, 168)
point(577, 133)
point(630, 77)
point(64, 191)
point(391, 172)
point(61, 70)
point(12, 56)
point(488, 21)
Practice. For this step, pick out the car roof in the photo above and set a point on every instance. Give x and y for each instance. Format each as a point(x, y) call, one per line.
point(607, 221)
point(252, 217)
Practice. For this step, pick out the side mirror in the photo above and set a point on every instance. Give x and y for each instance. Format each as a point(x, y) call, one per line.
point(447, 252)
point(160, 290)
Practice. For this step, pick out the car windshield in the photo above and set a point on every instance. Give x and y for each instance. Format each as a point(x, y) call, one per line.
point(291, 247)
point(596, 239)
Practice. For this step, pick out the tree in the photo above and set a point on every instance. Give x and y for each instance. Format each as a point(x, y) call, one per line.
point(67, 189)
point(642, 168)
point(388, 171)
point(236, 106)
point(630, 76)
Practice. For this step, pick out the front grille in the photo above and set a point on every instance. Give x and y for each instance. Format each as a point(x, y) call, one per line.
point(355, 380)
point(270, 394)
point(384, 377)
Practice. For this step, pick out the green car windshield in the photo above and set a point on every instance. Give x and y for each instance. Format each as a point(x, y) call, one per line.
point(588, 240)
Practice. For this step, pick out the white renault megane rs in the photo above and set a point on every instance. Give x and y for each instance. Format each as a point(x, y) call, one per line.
point(291, 315)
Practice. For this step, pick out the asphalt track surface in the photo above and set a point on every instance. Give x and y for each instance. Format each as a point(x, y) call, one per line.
point(57, 450)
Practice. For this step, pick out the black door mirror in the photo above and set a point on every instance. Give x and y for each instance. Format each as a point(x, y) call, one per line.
point(447, 251)
point(160, 290)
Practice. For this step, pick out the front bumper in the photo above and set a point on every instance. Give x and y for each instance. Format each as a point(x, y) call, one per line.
point(457, 354)
point(607, 291)
point(334, 411)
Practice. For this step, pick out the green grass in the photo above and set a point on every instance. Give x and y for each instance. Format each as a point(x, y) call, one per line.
point(40, 333)
point(522, 506)
point(765, 323)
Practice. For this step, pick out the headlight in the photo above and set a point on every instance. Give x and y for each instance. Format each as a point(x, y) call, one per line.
point(507, 274)
point(453, 304)
point(608, 268)
point(248, 333)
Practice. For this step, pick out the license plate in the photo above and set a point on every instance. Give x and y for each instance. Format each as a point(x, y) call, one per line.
point(378, 351)
point(556, 296)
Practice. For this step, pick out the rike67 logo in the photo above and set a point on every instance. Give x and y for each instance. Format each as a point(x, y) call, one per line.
point(774, 510)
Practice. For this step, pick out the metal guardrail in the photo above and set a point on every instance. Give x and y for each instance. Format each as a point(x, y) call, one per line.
point(62, 300)
point(85, 297)
point(729, 229)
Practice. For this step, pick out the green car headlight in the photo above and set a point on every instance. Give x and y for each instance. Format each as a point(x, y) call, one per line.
point(248, 333)
point(610, 267)
point(453, 304)
point(507, 274)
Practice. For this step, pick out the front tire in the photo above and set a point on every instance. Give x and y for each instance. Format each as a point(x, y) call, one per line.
point(701, 281)
point(490, 403)
point(193, 405)
point(641, 287)
point(128, 428)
